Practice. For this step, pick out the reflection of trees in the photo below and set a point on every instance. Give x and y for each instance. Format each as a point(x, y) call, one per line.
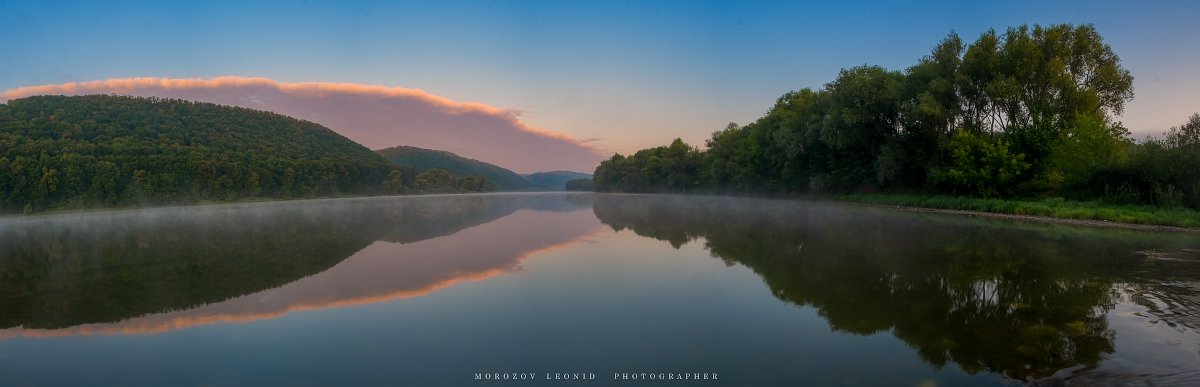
point(61, 271)
point(1022, 300)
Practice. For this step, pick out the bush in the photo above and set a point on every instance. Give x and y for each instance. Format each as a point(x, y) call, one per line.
point(980, 166)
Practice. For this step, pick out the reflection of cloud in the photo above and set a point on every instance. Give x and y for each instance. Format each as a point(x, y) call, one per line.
point(376, 116)
point(205, 315)
point(381, 272)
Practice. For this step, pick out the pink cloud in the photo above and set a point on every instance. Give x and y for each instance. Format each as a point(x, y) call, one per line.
point(375, 116)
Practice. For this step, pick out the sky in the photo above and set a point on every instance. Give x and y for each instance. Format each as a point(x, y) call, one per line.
point(598, 76)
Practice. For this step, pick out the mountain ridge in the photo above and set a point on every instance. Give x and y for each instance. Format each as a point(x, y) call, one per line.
point(422, 159)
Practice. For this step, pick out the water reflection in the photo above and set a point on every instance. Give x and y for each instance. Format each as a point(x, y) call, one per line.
point(1031, 302)
point(158, 270)
point(1028, 301)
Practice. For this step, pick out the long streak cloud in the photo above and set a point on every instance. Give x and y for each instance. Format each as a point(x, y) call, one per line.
point(375, 116)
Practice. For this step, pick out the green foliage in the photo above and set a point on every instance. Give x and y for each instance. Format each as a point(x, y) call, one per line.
point(474, 184)
point(980, 165)
point(674, 168)
point(1030, 112)
point(425, 159)
point(393, 184)
point(1186, 136)
point(439, 180)
point(731, 156)
point(75, 152)
point(435, 181)
point(555, 180)
point(89, 151)
point(580, 185)
point(1090, 145)
point(865, 117)
point(1164, 172)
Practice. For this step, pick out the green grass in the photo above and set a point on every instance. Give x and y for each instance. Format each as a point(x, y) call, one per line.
point(1053, 207)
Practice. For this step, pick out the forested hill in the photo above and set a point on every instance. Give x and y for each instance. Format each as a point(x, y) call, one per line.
point(99, 150)
point(555, 180)
point(1027, 112)
point(421, 159)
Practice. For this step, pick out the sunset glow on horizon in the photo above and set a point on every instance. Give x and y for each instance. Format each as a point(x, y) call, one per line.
point(597, 77)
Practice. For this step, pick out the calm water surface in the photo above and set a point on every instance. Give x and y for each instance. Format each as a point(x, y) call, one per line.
point(434, 290)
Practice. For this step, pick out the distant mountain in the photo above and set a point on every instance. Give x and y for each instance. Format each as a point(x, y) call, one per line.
point(556, 180)
point(424, 159)
point(100, 150)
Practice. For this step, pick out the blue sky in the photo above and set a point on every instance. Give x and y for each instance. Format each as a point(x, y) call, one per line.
point(630, 74)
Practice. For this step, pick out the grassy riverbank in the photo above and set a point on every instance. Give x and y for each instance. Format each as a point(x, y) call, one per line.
point(1053, 207)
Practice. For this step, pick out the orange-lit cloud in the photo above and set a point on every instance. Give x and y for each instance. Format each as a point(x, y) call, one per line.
point(375, 116)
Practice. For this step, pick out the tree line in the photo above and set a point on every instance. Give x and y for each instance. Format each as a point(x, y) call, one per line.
point(1029, 112)
point(101, 151)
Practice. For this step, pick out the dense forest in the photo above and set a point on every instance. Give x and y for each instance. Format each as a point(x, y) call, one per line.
point(555, 180)
point(581, 184)
point(1030, 112)
point(421, 160)
point(98, 151)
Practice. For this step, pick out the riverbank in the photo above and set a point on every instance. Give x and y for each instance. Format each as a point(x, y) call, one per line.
point(1054, 210)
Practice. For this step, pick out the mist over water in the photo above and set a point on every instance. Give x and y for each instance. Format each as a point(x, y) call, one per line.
point(73, 269)
point(431, 290)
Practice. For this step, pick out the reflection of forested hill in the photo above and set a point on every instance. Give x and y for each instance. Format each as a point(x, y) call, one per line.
point(1022, 300)
point(106, 267)
point(63, 270)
